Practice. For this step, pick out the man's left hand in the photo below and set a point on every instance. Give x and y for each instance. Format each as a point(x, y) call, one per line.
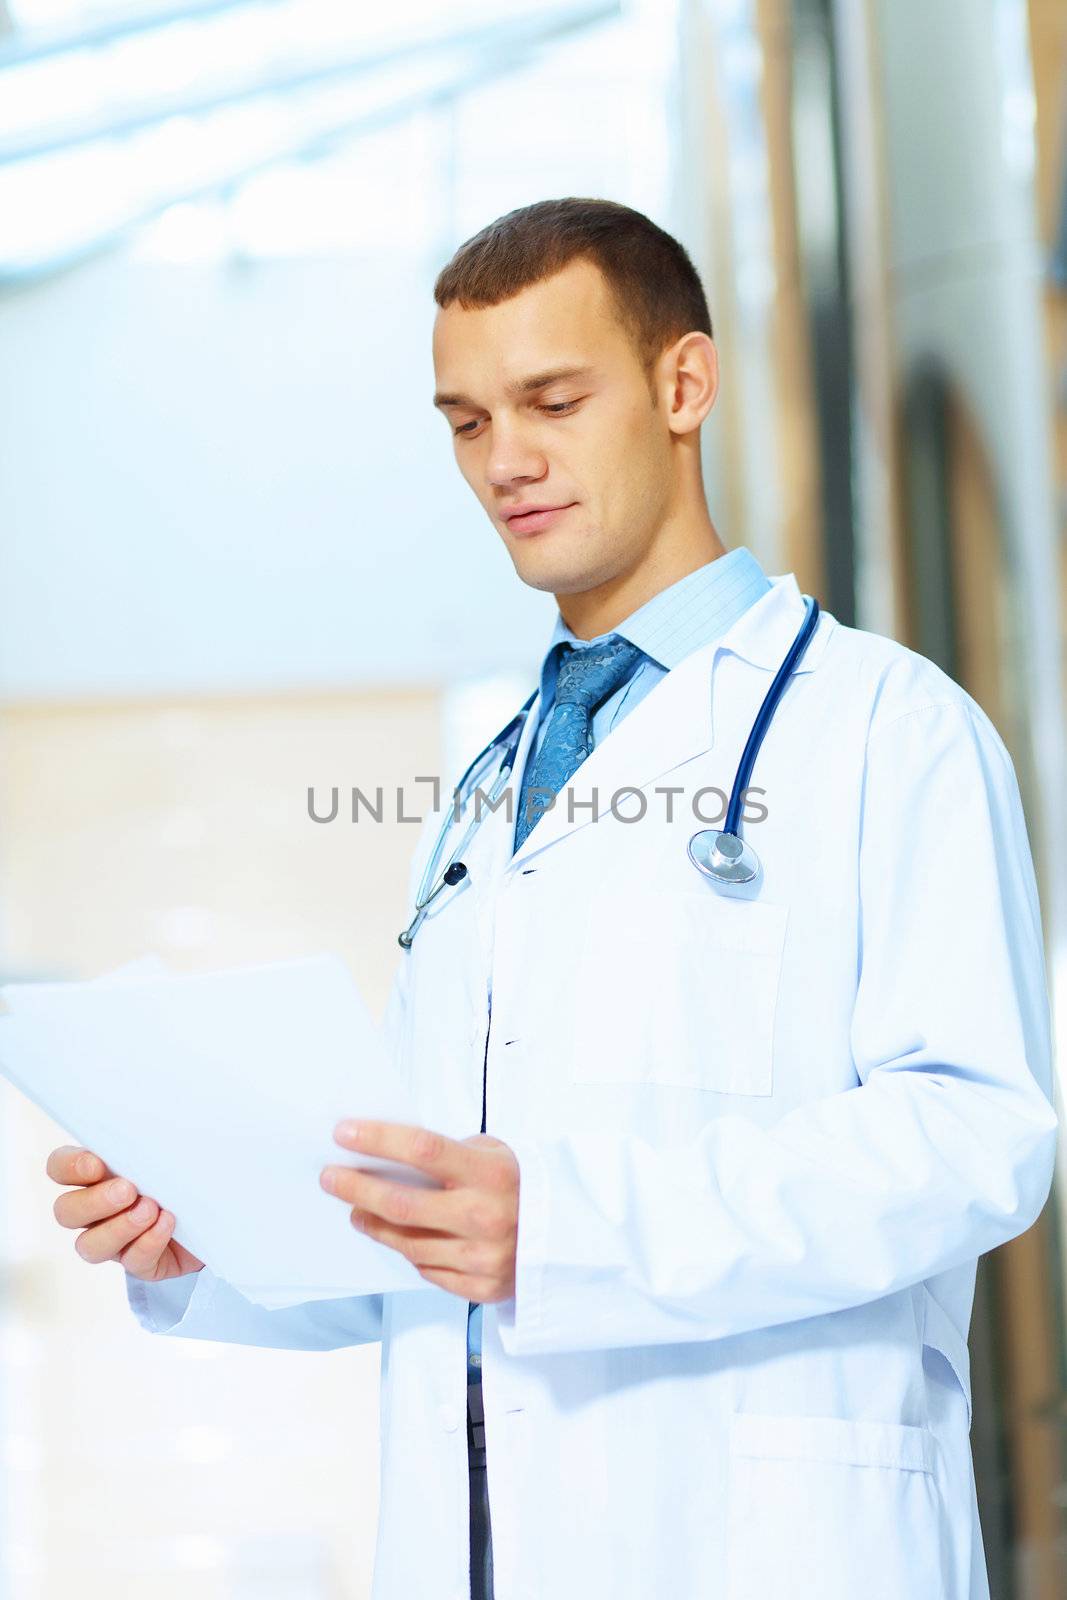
point(461, 1236)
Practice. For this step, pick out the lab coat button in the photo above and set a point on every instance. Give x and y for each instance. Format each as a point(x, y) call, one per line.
point(449, 1418)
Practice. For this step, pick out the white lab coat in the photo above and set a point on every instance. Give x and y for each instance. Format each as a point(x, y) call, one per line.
point(763, 1134)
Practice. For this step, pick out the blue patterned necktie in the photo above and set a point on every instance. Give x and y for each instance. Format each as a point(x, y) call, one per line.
point(586, 678)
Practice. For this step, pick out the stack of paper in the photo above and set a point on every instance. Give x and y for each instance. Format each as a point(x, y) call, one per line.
point(217, 1095)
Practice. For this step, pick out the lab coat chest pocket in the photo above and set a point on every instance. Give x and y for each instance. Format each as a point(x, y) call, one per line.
point(828, 1508)
point(679, 988)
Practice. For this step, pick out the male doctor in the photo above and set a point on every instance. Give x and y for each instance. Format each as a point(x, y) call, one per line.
point(744, 1143)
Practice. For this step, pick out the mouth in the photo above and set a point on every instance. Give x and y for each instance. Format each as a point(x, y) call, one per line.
point(534, 521)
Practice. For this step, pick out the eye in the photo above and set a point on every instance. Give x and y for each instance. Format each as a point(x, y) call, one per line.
point(554, 408)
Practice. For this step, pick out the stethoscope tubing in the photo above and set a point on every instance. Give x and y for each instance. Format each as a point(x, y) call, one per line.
point(511, 736)
point(764, 715)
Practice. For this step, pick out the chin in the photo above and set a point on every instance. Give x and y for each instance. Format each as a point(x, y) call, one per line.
point(551, 576)
point(557, 566)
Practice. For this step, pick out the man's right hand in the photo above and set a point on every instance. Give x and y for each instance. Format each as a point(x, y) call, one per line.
point(119, 1224)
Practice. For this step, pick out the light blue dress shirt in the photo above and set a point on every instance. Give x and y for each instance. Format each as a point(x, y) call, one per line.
point(695, 611)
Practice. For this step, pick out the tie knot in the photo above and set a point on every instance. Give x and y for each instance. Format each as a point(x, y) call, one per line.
point(589, 675)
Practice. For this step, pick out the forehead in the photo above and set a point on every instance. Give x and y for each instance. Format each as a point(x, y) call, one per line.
point(566, 320)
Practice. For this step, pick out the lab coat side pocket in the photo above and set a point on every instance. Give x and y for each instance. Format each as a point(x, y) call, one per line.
point(680, 990)
point(828, 1508)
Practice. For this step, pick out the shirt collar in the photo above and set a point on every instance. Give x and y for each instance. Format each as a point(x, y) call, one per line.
point(694, 611)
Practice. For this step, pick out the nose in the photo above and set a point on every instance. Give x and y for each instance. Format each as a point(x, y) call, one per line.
point(513, 459)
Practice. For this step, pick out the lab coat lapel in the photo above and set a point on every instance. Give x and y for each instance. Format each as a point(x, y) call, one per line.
point(675, 721)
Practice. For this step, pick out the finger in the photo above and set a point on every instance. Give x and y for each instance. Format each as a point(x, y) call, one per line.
point(71, 1163)
point(440, 1209)
point(141, 1258)
point(106, 1240)
point(426, 1248)
point(463, 1284)
point(80, 1208)
point(445, 1159)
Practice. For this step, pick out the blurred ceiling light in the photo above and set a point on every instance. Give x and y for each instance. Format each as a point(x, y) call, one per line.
point(192, 231)
point(119, 121)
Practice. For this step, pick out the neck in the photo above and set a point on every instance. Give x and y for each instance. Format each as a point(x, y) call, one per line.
point(599, 610)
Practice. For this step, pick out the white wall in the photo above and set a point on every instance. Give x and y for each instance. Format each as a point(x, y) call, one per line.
point(219, 478)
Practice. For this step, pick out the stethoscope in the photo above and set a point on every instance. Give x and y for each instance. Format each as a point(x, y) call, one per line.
point(721, 854)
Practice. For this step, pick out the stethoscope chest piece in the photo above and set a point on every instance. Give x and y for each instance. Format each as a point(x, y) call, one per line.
point(723, 856)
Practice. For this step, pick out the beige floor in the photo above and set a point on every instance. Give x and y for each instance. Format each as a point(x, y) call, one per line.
point(140, 1465)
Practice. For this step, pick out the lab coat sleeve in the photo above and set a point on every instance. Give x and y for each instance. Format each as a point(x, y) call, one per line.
point(942, 1150)
point(202, 1306)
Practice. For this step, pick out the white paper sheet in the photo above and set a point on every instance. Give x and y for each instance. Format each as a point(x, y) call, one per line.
point(217, 1094)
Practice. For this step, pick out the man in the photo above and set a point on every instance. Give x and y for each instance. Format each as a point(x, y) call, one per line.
point(743, 1144)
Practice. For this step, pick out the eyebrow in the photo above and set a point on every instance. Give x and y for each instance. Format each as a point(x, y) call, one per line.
point(521, 386)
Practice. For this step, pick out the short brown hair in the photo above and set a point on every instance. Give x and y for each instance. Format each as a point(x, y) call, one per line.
point(656, 289)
